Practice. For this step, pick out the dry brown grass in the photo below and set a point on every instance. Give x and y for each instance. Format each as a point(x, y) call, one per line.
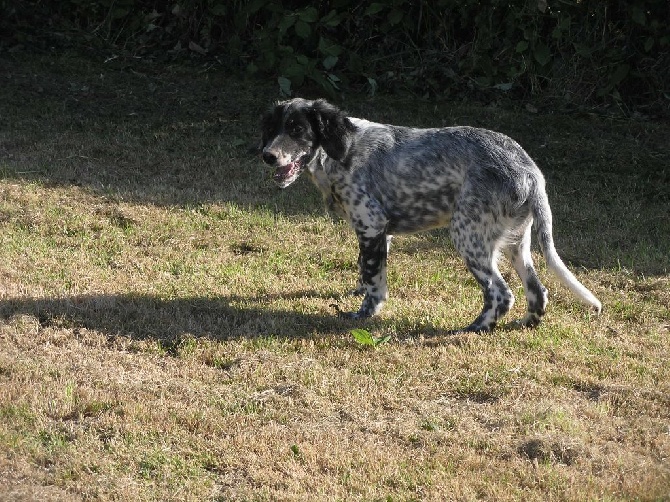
point(166, 334)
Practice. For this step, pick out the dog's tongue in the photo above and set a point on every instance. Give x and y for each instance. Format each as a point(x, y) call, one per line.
point(283, 171)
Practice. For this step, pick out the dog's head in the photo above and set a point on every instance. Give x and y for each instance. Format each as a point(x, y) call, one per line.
point(294, 130)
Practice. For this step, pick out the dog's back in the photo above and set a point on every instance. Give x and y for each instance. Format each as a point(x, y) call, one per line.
point(419, 175)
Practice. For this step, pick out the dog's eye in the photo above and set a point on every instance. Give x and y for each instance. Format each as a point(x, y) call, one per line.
point(296, 129)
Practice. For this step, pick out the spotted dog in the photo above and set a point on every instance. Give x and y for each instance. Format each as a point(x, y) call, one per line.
point(386, 180)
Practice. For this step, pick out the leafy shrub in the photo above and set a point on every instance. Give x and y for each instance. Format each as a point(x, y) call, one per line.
point(578, 51)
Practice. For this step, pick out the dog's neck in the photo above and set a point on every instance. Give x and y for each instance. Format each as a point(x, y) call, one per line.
point(318, 161)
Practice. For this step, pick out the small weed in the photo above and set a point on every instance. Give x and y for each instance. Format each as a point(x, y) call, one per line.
point(53, 440)
point(429, 425)
point(16, 414)
point(364, 337)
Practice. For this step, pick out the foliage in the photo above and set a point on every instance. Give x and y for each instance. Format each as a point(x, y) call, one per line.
point(365, 338)
point(580, 51)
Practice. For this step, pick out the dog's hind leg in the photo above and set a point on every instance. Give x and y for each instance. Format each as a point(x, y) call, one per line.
point(536, 293)
point(480, 251)
point(498, 298)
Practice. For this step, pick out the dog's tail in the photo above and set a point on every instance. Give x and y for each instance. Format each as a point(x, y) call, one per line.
point(543, 225)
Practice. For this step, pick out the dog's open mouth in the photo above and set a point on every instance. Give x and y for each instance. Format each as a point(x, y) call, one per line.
point(285, 175)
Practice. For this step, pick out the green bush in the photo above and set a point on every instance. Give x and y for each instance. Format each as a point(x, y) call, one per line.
point(584, 52)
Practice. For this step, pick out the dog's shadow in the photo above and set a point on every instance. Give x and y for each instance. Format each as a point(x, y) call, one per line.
point(222, 318)
point(140, 316)
point(144, 317)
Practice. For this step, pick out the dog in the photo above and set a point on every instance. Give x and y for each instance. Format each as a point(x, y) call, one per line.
point(385, 179)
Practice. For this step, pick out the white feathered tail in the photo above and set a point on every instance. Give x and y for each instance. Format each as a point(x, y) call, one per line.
point(543, 224)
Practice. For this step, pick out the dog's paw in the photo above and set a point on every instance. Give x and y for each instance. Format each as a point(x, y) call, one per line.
point(530, 320)
point(476, 327)
point(348, 315)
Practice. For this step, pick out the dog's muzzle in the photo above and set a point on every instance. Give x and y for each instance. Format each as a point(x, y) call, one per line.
point(285, 174)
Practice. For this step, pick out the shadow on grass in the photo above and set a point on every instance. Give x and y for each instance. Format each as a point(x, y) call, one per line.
point(138, 132)
point(143, 317)
point(149, 317)
point(135, 131)
point(146, 317)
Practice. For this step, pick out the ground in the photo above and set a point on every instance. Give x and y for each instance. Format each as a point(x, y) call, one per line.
point(166, 329)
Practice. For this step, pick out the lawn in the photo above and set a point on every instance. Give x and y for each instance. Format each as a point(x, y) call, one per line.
point(166, 328)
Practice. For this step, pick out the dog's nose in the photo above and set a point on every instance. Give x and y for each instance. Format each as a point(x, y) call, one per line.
point(269, 158)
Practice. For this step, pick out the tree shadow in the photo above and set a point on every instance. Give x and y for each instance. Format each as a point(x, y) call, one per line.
point(139, 132)
point(146, 133)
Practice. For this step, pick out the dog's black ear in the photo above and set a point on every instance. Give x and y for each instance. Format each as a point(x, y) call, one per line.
point(334, 129)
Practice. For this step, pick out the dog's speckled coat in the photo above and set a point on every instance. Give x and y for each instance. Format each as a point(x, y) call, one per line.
point(386, 179)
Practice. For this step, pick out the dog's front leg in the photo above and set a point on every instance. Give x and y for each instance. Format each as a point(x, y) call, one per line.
point(360, 287)
point(372, 273)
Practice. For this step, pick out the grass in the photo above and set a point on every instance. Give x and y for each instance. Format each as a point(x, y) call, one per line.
point(166, 330)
